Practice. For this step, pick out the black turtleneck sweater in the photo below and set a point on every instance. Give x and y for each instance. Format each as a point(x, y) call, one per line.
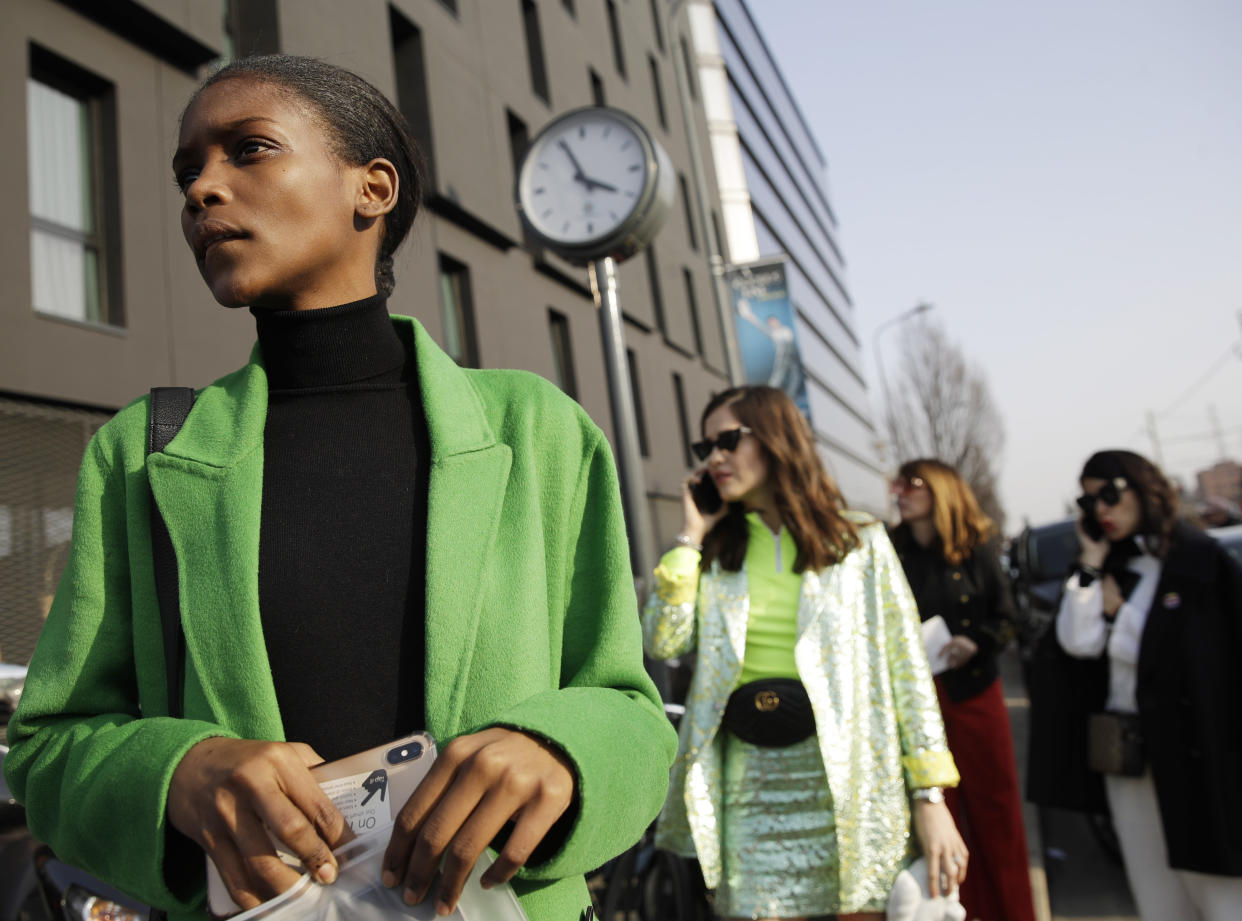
point(342, 544)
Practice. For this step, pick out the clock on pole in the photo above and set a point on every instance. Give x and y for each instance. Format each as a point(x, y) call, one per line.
point(595, 187)
point(594, 184)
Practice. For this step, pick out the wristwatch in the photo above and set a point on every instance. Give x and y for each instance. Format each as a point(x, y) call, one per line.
point(928, 794)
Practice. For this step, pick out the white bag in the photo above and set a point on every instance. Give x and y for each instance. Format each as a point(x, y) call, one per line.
point(358, 894)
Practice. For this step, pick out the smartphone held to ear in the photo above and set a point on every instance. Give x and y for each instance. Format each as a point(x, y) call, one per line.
point(1091, 526)
point(706, 496)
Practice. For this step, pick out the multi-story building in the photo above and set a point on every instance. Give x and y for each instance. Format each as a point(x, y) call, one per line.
point(771, 175)
point(102, 299)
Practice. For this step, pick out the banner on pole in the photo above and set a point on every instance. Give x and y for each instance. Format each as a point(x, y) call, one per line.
point(767, 336)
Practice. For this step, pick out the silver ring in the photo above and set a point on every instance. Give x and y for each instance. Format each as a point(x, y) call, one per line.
point(957, 861)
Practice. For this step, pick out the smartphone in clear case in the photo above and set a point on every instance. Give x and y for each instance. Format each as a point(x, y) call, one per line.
point(369, 788)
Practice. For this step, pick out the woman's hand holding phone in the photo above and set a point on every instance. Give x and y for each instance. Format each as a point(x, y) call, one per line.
point(697, 521)
point(225, 795)
point(1092, 542)
point(479, 784)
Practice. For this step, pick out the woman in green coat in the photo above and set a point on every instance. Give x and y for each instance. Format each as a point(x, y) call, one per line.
point(369, 541)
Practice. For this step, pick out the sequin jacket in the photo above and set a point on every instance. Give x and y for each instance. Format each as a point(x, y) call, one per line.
point(860, 656)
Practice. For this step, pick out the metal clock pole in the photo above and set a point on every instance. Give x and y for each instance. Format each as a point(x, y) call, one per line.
point(603, 274)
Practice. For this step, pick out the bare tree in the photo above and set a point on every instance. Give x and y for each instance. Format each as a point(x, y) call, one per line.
point(940, 406)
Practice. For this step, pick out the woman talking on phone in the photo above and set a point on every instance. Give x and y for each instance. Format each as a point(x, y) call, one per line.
point(1159, 605)
point(811, 735)
point(367, 545)
point(942, 542)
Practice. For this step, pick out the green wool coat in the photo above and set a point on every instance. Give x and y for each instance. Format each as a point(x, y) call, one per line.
point(531, 624)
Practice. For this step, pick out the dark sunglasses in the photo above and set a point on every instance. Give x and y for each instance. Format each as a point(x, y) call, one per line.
point(905, 484)
point(1109, 494)
point(725, 441)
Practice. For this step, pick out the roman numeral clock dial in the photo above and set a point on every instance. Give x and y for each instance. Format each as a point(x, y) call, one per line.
point(594, 183)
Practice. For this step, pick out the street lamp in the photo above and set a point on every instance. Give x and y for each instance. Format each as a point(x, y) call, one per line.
point(919, 308)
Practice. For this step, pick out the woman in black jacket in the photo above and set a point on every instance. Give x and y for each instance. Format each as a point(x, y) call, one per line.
point(1164, 601)
point(955, 576)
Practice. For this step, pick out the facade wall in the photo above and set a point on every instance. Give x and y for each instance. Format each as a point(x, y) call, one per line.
point(771, 176)
point(165, 328)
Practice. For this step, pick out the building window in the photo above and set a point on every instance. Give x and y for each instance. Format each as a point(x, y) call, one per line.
point(640, 418)
point(457, 313)
point(569, 7)
point(659, 27)
point(450, 5)
point(653, 278)
point(534, 50)
point(683, 419)
point(74, 212)
point(688, 63)
point(656, 90)
point(716, 236)
point(519, 141)
point(411, 83)
point(685, 204)
point(614, 29)
point(597, 88)
point(562, 353)
point(692, 304)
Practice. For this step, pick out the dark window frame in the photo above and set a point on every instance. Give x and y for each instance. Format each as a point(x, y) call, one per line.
point(98, 97)
point(657, 25)
point(413, 100)
point(691, 232)
point(458, 275)
point(561, 338)
point(683, 419)
point(657, 294)
point(614, 30)
point(636, 393)
point(597, 87)
point(536, 60)
point(688, 63)
point(657, 90)
point(692, 305)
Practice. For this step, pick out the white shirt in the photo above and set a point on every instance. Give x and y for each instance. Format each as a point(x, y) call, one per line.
point(1084, 633)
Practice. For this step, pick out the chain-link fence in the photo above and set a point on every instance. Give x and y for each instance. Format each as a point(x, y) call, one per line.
point(41, 447)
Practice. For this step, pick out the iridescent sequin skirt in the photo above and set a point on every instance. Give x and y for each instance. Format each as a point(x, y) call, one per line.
point(779, 848)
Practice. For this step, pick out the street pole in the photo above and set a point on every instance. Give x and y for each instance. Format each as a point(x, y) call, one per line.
point(720, 290)
point(603, 273)
point(1155, 439)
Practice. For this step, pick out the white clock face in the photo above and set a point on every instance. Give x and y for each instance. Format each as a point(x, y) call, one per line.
point(583, 178)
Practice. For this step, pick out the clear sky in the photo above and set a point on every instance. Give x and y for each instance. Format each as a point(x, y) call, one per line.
point(1063, 180)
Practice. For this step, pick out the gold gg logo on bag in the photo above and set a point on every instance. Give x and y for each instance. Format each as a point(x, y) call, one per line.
point(767, 701)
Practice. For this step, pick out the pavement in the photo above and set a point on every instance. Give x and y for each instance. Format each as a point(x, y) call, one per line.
point(1073, 877)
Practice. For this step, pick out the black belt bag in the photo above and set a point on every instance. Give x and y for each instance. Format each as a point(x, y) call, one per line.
point(772, 712)
point(1115, 744)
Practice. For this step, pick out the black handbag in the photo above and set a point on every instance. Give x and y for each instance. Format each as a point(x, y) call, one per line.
point(1115, 744)
point(772, 712)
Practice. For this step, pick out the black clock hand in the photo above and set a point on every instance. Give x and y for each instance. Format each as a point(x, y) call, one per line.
point(579, 175)
point(596, 184)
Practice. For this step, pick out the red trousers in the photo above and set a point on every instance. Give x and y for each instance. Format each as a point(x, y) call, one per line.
point(987, 807)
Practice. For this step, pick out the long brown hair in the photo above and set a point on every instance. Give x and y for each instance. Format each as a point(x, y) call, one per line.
point(808, 501)
point(959, 521)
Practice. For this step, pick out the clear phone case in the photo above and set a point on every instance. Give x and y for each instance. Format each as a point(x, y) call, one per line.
point(369, 788)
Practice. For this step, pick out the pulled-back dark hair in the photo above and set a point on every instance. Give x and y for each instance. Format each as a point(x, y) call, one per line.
point(362, 126)
point(1156, 496)
point(807, 499)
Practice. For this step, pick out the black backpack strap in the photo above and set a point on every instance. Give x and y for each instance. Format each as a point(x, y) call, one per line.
point(169, 408)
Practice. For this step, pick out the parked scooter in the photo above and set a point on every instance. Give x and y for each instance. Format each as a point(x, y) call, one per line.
point(34, 885)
